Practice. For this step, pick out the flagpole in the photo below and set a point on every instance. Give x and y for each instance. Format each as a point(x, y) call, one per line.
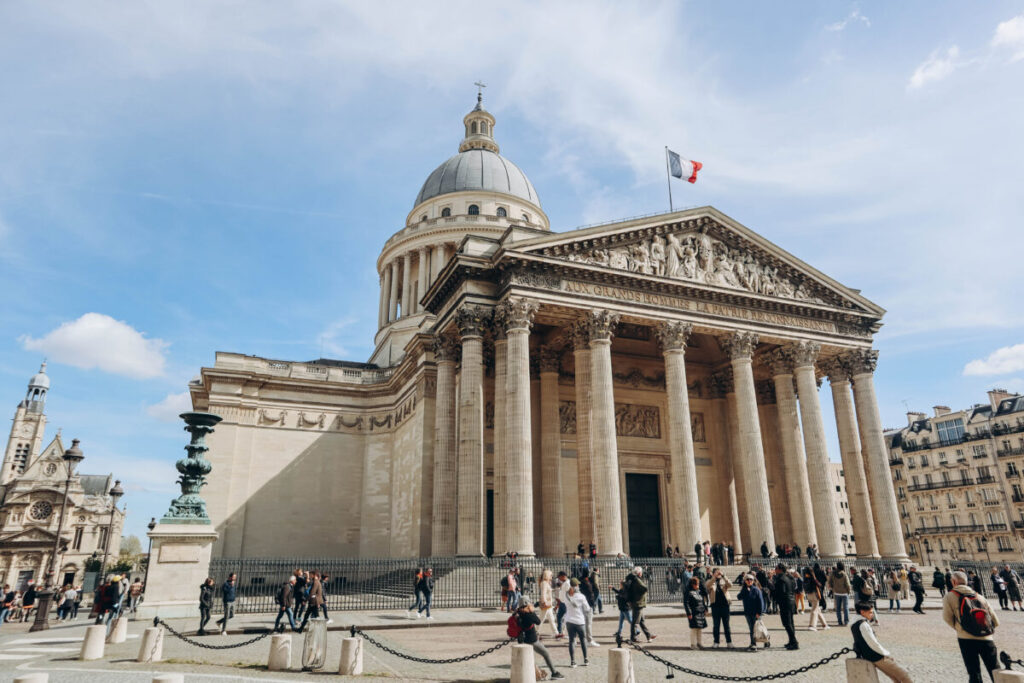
point(668, 179)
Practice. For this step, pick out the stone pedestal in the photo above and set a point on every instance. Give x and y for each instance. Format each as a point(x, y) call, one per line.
point(280, 656)
point(151, 649)
point(118, 631)
point(92, 643)
point(1003, 676)
point(524, 669)
point(179, 563)
point(620, 666)
point(861, 671)
point(351, 656)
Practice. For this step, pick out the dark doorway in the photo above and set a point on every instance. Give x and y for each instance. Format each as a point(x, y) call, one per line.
point(644, 515)
point(69, 579)
point(490, 523)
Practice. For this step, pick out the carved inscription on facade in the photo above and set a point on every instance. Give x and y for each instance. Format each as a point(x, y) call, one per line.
point(638, 421)
point(708, 307)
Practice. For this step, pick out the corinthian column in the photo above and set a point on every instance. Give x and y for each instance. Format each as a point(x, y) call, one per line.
point(826, 517)
point(517, 315)
point(407, 284)
point(580, 336)
point(471, 321)
point(551, 455)
point(853, 463)
point(794, 466)
point(393, 295)
point(607, 498)
point(500, 454)
point(862, 364)
point(720, 386)
point(443, 530)
point(422, 272)
point(683, 502)
point(740, 347)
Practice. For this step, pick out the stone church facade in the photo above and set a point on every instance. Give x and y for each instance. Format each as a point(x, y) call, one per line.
point(636, 384)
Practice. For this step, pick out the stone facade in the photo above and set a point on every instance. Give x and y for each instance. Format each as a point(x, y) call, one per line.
point(635, 384)
point(958, 481)
point(32, 499)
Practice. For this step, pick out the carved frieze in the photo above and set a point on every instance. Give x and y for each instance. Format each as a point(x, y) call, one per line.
point(311, 419)
point(567, 417)
point(636, 378)
point(532, 278)
point(489, 415)
point(269, 417)
point(631, 420)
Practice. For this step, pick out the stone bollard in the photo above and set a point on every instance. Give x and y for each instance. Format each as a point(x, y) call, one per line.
point(1006, 676)
point(118, 631)
point(523, 668)
point(151, 649)
point(620, 666)
point(33, 678)
point(280, 657)
point(351, 656)
point(92, 643)
point(169, 678)
point(860, 671)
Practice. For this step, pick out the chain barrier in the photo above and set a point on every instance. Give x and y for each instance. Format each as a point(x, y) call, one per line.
point(157, 621)
point(1008, 661)
point(722, 677)
point(424, 660)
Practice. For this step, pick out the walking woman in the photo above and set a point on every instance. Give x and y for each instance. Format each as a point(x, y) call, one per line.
point(812, 589)
point(576, 609)
point(895, 586)
point(839, 584)
point(547, 601)
point(414, 608)
point(939, 581)
point(205, 604)
point(696, 613)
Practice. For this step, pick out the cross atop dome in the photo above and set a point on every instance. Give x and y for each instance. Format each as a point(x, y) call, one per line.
point(479, 126)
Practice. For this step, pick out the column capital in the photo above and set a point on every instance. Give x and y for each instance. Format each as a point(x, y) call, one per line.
point(601, 324)
point(804, 353)
point(446, 348)
point(765, 389)
point(739, 345)
point(673, 334)
point(550, 359)
point(472, 320)
point(579, 335)
point(779, 361)
point(515, 314)
point(720, 383)
point(836, 369)
point(861, 361)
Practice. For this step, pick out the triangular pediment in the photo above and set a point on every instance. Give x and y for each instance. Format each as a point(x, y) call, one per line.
point(48, 468)
point(30, 535)
point(701, 247)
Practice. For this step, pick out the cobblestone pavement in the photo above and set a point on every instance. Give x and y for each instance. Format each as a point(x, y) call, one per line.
point(922, 644)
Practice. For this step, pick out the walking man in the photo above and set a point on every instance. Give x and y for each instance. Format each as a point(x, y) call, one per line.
point(315, 601)
point(916, 582)
point(636, 589)
point(969, 614)
point(227, 596)
point(135, 595)
point(285, 601)
point(426, 589)
point(785, 599)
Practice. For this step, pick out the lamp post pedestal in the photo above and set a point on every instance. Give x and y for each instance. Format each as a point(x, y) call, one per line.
point(179, 562)
point(43, 599)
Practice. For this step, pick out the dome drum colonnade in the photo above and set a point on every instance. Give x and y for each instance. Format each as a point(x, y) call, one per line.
point(458, 517)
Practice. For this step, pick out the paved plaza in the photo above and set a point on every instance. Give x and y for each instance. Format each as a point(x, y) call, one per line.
point(923, 644)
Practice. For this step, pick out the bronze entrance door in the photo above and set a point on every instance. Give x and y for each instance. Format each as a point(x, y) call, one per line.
point(643, 509)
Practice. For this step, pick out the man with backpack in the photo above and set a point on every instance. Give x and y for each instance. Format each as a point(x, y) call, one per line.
point(970, 615)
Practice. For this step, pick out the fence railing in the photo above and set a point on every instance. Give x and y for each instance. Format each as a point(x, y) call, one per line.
point(386, 584)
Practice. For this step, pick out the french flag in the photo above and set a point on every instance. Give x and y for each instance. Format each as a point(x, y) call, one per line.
point(683, 168)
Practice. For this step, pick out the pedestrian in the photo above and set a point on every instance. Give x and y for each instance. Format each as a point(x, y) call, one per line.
point(812, 589)
point(28, 601)
point(798, 591)
point(784, 594)
point(77, 603)
point(301, 593)
point(576, 608)
point(916, 582)
point(206, 590)
point(426, 587)
point(892, 579)
point(839, 585)
point(135, 595)
point(974, 581)
point(636, 589)
point(765, 552)
point(949, 580)
point(511, 587)
point(547, 601)
point(622, 602)
point(70, 595)
point(529, 634)
point(325, 581)
point(753, 606)
point(227, 596)
point(112, 596)
point(822, 578)
point(939, 581)
point(560, 589)
point(1013, 586)
point(999, 588)
point(904, 583)
point(315, 600)
point(7, 603)
point(595, 581)
point(587, 591)
point(697, 552)
point(285, 602)
point(969, 614)
point(866, 645)
point(718, 596)
point(417, 596)
point(696, 613)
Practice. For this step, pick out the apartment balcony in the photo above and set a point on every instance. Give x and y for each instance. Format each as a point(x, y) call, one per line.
point(953, 483)
point(1018, 524)
point(951, 529)
point(1017, 498)
point(986, 479)
point(1009, 452)
point(895, 460)
point(999, 430)
point(991, 503)
point(997, 527)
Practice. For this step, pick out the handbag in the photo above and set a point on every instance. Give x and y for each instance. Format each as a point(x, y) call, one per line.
point(761, 634)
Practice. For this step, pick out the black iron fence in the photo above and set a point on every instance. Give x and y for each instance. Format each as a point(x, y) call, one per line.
point(386, 584)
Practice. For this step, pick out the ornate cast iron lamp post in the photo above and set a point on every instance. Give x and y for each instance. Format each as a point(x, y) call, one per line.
point(115, 494)
point(189, 507)
point(72, 457)
point(149, 553)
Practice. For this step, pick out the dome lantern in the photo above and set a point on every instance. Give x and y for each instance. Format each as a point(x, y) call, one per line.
point(479, 125)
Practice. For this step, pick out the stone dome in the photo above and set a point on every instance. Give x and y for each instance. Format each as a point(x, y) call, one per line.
point(478, 169)
point(40, 379)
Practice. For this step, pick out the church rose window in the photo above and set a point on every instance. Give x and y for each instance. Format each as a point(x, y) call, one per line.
point(40, 510)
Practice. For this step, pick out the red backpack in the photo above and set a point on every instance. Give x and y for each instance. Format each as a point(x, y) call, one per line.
point(513, 629)
point(974, 618)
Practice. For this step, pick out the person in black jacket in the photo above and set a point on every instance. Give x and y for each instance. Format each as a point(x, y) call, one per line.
point(528, 622)
point(285, 602)
point(916, 587)
point(696, 613)
point(205, 604)
point(866, 645)
point(426, 588)
point(227, 595)
point(765, 552)
point(785, 599)
point(301, 593)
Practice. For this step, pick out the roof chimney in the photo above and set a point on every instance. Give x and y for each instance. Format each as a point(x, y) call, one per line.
point(941, 410)
point(997, 395)
point(913, 417)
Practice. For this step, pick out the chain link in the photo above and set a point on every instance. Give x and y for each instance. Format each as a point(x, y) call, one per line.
point(723, 677)
point(157, 621)
point(1005, 658)
point(424, 660)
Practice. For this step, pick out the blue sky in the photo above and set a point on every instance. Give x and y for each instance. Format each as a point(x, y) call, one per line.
point(181, 178)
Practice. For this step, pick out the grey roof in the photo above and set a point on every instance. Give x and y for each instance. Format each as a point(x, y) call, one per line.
point(1014, 404)
point(478, 169)
point(95, 484)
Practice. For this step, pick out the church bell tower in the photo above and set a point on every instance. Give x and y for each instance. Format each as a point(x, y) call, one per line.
point(26, 439)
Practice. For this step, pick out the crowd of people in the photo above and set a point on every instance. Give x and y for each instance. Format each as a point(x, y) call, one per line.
point(109, 601)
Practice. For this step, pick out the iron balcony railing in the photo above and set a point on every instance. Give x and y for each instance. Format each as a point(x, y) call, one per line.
point(1009, 452)
point(930, 486)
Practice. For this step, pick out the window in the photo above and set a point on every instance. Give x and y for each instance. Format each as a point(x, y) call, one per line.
point(942, 458)
point(951, 431)
point(101, 542)
point(979, 452)
point(924, 460)
point(423, 217)
point(77, 543)
point(483, 128)
point(960, 544)
point(945, 477)
point(526, 217)
point(474, 210)
point(20, 457)
point(472, 128)
point(928, 478)
point(501, 212)
point(445, 212)
point(838, 489)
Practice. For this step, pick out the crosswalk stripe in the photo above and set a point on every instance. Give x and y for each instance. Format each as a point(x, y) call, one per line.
point(41, 649)
point(16, 656)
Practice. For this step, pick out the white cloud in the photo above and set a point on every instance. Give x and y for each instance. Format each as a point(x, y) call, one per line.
point(98, 341)
point(853, 17)
point(171, 407)
point(1010, 34)
point(331, 339)
point(935, 68)
point(1001, 361)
